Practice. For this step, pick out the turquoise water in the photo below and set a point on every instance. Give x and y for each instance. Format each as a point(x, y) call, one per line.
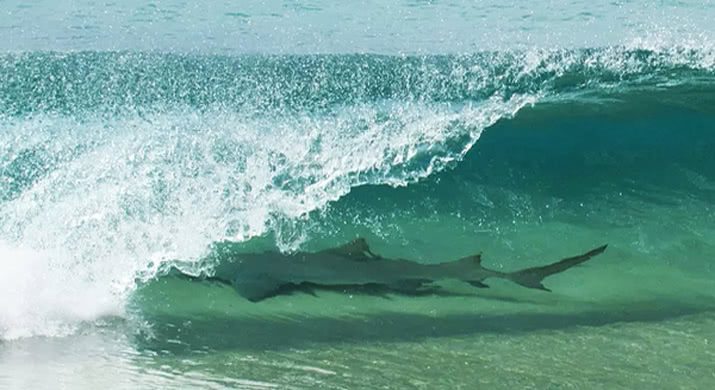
point(134, 137)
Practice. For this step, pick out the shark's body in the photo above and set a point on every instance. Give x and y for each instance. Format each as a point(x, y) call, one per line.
point(257, 276)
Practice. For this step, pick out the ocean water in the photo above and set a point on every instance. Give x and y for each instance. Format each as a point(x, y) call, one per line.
point(139, 136)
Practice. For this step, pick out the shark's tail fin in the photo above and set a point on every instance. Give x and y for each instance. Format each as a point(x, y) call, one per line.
point(533, 277)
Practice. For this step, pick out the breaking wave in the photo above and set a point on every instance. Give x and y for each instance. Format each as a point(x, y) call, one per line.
point(114, 163)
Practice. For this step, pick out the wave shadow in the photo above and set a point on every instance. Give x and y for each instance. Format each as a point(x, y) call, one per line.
point(262, 333)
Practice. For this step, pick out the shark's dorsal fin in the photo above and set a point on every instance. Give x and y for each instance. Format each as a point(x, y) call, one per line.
point(356, 249)
point(473, 259)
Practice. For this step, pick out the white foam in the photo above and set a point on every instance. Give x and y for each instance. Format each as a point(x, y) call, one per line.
point(43, 296)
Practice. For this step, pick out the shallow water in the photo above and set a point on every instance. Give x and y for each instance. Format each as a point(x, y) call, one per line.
point(134, 137)
point(202, 336)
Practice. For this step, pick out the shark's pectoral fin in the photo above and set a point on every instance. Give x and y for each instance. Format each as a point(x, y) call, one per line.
point(258, 288)
point(307, 289)
point(477, 283)
point(408, 285)
point(357, 250)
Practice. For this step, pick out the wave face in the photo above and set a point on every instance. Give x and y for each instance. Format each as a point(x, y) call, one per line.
point(115, 163)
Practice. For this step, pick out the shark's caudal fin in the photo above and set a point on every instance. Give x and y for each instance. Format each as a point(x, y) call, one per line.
point(533, 277)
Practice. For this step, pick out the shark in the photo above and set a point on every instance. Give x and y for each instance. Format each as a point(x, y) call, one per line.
point(258, 276)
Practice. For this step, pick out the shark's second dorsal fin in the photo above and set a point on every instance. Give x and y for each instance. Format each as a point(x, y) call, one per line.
point(356, 249)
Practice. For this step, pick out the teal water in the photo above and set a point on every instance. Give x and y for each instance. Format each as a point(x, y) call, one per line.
point(138, 136)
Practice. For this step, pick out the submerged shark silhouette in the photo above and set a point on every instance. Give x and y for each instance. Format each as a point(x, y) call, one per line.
point(257, 276)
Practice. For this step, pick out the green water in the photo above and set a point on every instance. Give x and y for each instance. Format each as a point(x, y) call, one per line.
point(135, 137)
